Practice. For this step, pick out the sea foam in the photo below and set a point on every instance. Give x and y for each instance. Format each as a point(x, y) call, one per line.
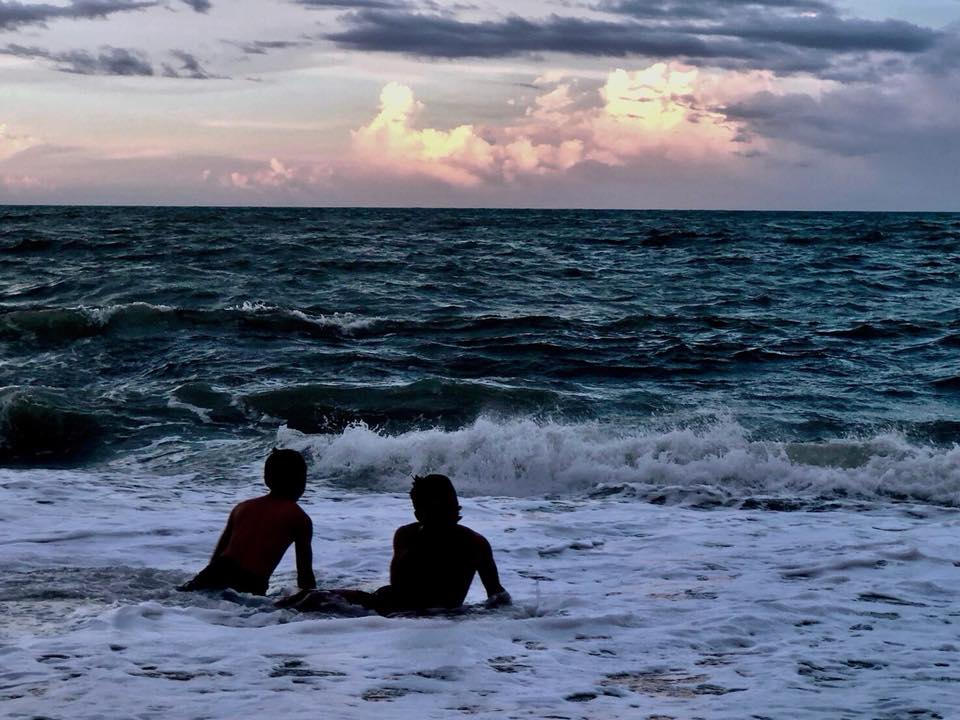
point(718, 464)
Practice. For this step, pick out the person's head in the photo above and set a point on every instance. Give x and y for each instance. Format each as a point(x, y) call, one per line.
point(434, 500)
point(285, 473)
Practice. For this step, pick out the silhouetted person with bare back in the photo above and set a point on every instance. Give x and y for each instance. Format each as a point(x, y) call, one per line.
point(434, 561)
point(260, 530)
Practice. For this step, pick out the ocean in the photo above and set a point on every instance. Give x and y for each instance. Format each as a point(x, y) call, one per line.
point(716, 455)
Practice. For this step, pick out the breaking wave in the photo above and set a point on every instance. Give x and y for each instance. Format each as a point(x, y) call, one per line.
point(717, 465)
point(68, 324)
point(36, 427)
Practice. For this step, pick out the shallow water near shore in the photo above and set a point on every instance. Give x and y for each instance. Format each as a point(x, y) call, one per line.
point(717, 456)
point(622, 609)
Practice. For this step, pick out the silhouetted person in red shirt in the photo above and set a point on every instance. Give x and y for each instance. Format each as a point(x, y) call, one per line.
point(434, 561)
point(260, 530)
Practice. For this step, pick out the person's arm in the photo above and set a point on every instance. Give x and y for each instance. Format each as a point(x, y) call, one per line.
point(487, 569)
point(402, 543)
point(303, 545)
point(224, 537)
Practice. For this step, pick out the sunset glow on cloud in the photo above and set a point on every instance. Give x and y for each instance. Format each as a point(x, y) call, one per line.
point(12, 143)
point(804, 102)
point(651, 98)
point(391, 142)
point(632, 113)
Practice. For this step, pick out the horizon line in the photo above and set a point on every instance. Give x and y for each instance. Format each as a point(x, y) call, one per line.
point(473, 208)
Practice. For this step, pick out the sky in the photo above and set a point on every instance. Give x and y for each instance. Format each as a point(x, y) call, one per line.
point(713, 104)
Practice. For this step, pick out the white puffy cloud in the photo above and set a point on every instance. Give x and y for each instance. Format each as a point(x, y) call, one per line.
point(654, 109)
point(273, 175)
point(16, 183)
point(11, 143)
point(458, 156)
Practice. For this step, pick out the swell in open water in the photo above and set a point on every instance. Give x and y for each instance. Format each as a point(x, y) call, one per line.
point(701, 357)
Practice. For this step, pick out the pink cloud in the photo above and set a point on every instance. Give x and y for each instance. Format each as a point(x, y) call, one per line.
point(390, 142)
point(273, 175)
point(23, 183)
point(11, 142)
point(660, 109)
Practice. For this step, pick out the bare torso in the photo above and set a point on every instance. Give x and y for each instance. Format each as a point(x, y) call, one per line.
point(260, 530)
point(434, 567)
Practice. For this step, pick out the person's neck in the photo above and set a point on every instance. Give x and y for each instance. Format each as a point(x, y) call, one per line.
point(439, 526)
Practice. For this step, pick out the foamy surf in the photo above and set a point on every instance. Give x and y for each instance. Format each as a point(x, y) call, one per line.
point(715, 465)
point(622, 398)
point(622, 610)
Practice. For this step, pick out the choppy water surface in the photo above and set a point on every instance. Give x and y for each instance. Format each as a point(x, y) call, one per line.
point(518, 341)
point(716, 456)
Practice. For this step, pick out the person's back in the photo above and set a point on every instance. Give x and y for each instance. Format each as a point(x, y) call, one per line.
point(434, 561)
point(434, 566)
point(259, 531)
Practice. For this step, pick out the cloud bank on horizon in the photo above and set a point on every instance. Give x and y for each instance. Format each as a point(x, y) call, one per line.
point(607, 103)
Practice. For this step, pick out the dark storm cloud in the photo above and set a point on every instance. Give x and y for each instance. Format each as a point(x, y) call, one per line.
point(201, 6)
point(434, 36)
point(710, 10)
point(262, 47)
point(903, 119)
point(944, 59)
point(112, 61)
point(849, 121)
point(190, 67)
point(781, 43)
point(108, 61)
point(352, 4)
point(830, 33)
point(706, 10)
point(16, 14)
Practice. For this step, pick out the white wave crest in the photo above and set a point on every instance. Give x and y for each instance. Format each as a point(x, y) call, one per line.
point(251, 306)
point(345, 321)
point(103, 315)
point(524, 458)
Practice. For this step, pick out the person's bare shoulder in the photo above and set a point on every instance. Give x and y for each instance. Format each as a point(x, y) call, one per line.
point(470, 532)
point(404, 532)
point(254, 502)
point(300, 517)
point(476, 539)
point(243, 505)
point(404, 537)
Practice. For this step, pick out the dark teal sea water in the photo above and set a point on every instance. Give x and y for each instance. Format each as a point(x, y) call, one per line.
point(716, 456)
point(125, 330)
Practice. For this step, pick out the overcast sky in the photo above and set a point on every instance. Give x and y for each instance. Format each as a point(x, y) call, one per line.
point(740, 104)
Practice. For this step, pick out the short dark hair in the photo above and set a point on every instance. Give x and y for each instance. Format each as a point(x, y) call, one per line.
point(434, 498)
point(285, 473)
